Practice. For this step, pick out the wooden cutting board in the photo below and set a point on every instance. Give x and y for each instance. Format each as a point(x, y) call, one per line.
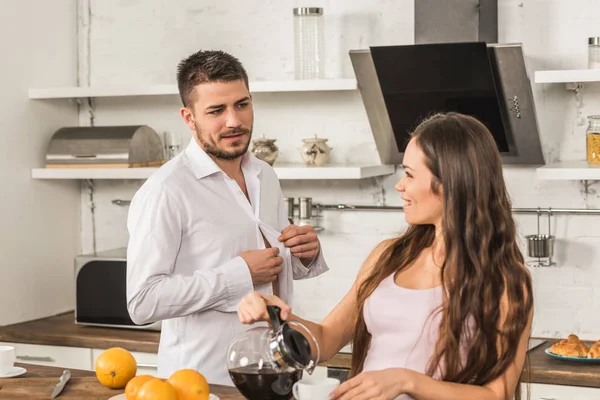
point(122, 397)
point(79, 388)
point(39, 382)
point(41, 388)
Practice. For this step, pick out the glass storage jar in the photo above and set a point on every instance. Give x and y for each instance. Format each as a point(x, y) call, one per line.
point(309, 57)
point(594, 53)
point(593, 139)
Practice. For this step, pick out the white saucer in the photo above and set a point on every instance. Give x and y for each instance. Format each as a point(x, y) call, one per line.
point(16, 371)
point(122, 397)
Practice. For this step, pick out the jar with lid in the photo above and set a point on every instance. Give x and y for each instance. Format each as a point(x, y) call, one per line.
point(265, 149)
point(593, 139)
point(315, 151)
point(594, 53)
point(309, 57)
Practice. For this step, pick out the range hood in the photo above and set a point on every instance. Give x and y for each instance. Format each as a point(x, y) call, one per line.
point(400, 85)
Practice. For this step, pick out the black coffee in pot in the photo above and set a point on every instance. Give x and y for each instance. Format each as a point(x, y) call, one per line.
point(264, 383)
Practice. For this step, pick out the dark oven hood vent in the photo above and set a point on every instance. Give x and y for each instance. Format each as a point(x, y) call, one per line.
point(400, 85)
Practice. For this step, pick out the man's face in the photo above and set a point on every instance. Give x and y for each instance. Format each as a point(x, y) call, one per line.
point(221, 118)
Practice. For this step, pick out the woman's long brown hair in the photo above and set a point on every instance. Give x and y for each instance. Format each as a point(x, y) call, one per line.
point(482, 263)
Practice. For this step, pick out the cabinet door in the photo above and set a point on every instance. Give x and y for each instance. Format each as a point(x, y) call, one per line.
point(54, 356)
point(147, 363)
point(561, 392)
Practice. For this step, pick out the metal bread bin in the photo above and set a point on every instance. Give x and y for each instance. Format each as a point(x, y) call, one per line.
point(105, 147)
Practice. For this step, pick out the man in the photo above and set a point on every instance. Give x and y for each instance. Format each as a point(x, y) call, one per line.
point(210, 226)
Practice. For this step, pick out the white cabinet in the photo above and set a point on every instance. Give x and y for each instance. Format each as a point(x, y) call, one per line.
point(147, 363)
point(560, 392)
point(75, 357)
point(54, 356)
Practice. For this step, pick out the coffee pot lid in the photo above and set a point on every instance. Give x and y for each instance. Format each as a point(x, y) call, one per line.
point(290, 347)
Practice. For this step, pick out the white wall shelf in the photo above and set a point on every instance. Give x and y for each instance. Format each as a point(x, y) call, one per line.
point(569, 170)
point(171, 90)
point(284, 172)
point(568, 76)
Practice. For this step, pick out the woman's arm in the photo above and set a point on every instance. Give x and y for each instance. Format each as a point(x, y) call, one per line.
point(336, 329)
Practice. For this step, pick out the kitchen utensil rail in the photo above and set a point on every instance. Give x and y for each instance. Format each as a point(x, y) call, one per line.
point(353, 207)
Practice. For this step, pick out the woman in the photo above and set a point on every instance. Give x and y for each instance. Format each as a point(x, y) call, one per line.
point(444, 311)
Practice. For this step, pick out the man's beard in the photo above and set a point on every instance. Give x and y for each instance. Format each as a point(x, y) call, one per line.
point(211, 147)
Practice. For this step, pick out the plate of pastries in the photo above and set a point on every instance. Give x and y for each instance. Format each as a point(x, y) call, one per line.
point(574, 349)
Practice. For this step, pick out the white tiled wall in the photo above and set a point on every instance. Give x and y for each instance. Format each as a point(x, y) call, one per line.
point(141, 42)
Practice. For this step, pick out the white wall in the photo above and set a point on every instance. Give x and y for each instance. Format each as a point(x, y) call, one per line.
point(135, 42)
point(39, 233)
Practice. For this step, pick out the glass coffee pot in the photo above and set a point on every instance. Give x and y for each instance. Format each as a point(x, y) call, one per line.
point(265, 362)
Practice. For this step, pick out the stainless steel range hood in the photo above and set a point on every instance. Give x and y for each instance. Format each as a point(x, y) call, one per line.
point(400, 85)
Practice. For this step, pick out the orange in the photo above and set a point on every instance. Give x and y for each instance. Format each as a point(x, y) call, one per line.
point(156, 389)
point(190, 384)
point(133, 386)
point(115, 367)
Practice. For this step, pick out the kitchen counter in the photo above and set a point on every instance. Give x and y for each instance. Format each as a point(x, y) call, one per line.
point(60, 330)
point(39, 381)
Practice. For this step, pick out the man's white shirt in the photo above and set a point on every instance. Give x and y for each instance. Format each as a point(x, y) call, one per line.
point(188, 225)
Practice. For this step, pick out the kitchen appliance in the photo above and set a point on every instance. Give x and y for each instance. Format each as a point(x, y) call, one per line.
point(105, 147)
point(264, 363)
point(456, 21)
point(401, 85)
point(100, 291)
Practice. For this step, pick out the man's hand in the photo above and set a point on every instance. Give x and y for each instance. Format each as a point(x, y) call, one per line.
point(302, 241)
point(264, 264)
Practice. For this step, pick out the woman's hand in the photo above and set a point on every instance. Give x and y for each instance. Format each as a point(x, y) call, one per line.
point(375, 385)
point(253, 308)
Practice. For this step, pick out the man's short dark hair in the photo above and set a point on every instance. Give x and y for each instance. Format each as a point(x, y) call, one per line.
point(207, 66)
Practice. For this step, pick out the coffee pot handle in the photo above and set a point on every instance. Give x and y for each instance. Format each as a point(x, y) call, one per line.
point(295, 391)
point(274, 315)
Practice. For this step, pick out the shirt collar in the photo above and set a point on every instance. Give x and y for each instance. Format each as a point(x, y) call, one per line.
point(203, 165)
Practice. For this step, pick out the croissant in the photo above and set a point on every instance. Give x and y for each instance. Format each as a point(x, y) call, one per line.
point(594, 350)
point(571, 347)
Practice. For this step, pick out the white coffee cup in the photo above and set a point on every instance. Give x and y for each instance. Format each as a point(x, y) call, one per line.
point(7, 359)
point(314, 388)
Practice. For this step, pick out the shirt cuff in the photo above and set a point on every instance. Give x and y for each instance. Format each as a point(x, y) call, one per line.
point(312, 262)
point(238, 281)
point(316, 267)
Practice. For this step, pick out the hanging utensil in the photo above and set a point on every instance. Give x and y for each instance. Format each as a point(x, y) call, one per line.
point(541, 245)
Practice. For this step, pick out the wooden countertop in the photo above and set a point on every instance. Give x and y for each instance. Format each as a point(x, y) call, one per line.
point(549, 370)
point(39, 381)
point(60, 330)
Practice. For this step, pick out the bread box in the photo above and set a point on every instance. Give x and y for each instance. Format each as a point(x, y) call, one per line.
point(105, 147)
